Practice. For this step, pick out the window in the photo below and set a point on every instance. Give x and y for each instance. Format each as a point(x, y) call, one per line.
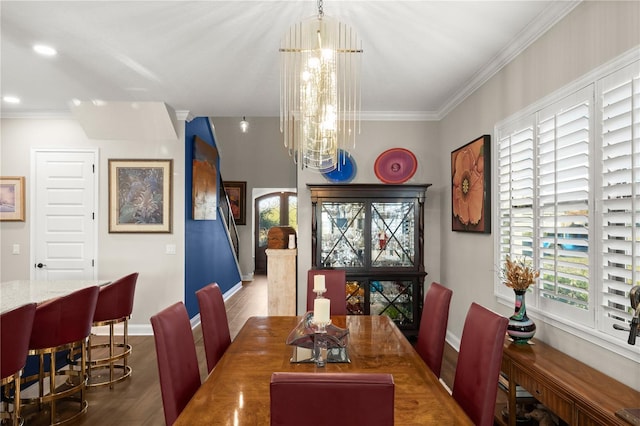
point(568, 177)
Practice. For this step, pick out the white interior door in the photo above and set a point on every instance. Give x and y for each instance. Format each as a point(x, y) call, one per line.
point(64, 225)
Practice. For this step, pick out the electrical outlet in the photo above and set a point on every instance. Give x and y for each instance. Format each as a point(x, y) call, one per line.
point(16, 249)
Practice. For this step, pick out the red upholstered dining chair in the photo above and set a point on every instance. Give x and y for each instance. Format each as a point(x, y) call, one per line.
point(475, 384)
point(336, 285)
point(315, 399)
point(15, 331)
point(61, 325)
point(213, 320)
point(177, 359)
point(115, 304)
point(433, 326)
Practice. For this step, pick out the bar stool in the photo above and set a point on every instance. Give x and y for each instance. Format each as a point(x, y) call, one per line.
point(115, 304)
point(60, 325)
point(15, 331)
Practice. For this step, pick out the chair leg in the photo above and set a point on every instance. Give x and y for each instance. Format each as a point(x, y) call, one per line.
point(52, 384)
point(17, 420)
point(111, 354)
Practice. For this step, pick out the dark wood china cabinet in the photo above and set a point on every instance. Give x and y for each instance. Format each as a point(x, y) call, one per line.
point(375, 232)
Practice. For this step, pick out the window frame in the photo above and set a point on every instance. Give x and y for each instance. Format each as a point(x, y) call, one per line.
point(591, 326)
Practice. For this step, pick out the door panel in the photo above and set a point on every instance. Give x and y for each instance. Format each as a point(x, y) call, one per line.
point(275, 209)
point(64, 233)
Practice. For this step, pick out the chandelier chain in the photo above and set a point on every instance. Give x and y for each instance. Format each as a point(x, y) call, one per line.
point(320, 10)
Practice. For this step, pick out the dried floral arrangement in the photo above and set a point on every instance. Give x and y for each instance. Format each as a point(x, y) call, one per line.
point(518, 274)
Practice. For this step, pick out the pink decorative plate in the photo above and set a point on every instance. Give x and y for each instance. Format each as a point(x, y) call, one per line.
point(395, 165)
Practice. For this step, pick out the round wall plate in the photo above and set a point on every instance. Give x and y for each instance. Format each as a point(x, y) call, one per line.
point(395, 165)
point(345, 171)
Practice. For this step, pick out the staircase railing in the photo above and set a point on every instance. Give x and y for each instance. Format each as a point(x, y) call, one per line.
point(230, 223)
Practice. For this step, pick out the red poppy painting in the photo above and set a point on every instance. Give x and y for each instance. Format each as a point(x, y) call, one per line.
point(470, 187)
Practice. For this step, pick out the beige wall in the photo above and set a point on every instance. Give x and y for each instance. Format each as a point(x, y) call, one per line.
point(161, 280)
point(594, 33)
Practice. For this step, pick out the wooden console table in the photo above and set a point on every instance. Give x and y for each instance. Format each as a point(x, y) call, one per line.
point(575, 392)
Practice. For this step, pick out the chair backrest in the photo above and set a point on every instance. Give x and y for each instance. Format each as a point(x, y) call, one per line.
point(331, 398)
point(15, 332)
point(64, 320)
point(433, 326)
point(115, 300)
point(213, 320)
point(177, 359)
point(476, 380)
point(336, 283)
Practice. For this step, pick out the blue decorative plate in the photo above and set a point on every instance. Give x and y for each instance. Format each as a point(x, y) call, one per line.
point(345, 171)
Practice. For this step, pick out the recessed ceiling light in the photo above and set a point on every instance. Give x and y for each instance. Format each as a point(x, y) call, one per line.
point(11, 99)
point(44, 50)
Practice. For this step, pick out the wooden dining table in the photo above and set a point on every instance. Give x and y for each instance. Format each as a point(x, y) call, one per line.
point(236, 392)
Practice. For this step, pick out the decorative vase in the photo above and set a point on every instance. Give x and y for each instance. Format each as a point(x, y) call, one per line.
point(521, 329)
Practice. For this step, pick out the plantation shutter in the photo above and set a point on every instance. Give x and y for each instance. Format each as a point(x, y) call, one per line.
point(620, 193)
point(516, 194)
point(564, 132)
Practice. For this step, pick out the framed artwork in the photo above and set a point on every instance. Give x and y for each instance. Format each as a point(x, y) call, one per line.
point(471, 186)
point(12, 198)
point(237, 192)
point(204, 184)
point(140, 196)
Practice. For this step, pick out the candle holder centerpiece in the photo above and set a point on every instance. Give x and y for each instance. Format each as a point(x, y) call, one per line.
point(321, 319)
point(315, 338)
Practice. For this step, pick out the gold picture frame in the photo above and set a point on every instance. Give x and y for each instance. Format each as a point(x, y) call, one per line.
point(140, 196)
point(12, 198)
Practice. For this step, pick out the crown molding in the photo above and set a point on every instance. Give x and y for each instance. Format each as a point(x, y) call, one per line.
point(550, 16)
point(399, 116)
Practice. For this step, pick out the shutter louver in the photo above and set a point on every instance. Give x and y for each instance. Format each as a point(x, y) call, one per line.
point(563, 211)
point(620, 99)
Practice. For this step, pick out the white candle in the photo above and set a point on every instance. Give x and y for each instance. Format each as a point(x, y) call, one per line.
point(321, 309)
point(318, 283)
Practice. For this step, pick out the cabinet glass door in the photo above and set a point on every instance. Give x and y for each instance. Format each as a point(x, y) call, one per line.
point(393, 298)
point(393, 235)
point(342, 235)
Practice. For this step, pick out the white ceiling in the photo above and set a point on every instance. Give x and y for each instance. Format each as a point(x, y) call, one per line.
point(220, 58)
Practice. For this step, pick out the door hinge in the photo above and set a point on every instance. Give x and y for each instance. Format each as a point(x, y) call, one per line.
point(93, 169)
point(93, 263)
point(93, 215)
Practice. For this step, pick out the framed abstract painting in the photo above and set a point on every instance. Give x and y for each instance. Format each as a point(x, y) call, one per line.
point(140, 196)
point(471, 186)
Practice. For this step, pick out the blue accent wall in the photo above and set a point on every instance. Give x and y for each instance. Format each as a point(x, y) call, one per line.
point(208, 254)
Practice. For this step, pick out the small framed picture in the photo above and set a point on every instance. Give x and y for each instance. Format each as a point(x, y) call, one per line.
point(12, 198)
point(237, 193)
point(140, 196)
point(471, 186)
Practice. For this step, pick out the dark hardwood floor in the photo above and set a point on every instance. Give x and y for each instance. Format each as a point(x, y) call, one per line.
point(137, 400)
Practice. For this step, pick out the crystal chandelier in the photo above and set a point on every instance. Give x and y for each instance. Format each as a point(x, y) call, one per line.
point(320, 91)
